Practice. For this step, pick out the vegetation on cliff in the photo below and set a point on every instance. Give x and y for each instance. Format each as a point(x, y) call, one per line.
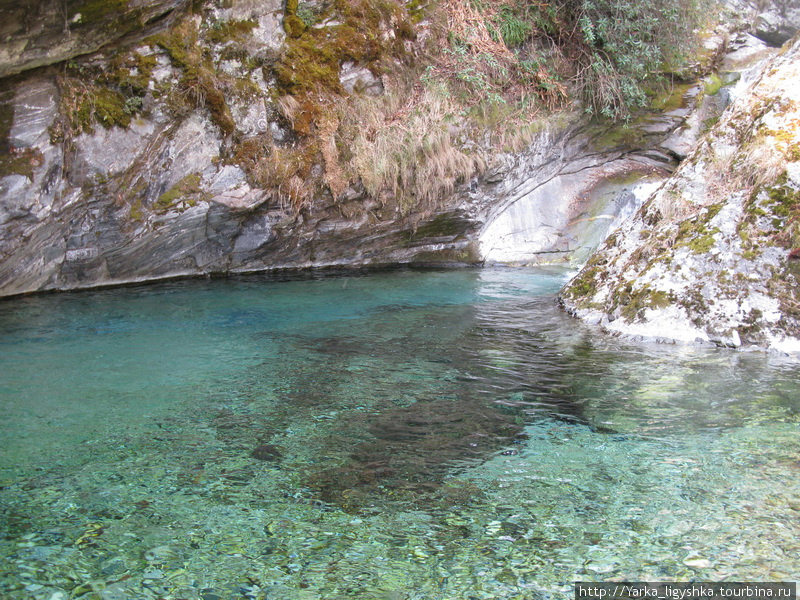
point(461, 79)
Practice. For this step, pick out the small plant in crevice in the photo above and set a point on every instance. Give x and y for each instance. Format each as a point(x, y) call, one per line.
point(107, 96)
point(201, 86)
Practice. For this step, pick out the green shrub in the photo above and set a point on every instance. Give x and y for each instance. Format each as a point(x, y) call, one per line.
point(624, 43)
point(611, 50)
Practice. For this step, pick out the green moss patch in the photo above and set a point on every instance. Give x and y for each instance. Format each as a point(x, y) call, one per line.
point(619, 136)
point(313, 56)
point(83, 105)
point(200, 83)
point(712, 85)
point(634, 302)
point(670, 97)
point(583, 288)
point(313, 60)
point(783, 202)
point(233, 30)
point(98, 11)
point(110, 95)
point(694, 232)
point(131, 73)
point(186, 192)
point(20, 162)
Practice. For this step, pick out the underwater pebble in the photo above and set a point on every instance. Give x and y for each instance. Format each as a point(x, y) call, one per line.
point(267, 452)
point(114, 592)
point(114, 566)
point(697, 562)
point(160, 553)
point(601, 566)
point(153, 574)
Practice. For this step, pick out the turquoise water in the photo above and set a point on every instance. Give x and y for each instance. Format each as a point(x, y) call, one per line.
point(398, 435)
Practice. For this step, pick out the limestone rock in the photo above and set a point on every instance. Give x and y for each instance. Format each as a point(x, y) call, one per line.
point(777, 21)
point(711, 256)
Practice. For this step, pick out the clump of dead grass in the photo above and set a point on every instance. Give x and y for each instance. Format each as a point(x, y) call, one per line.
point(405, 152)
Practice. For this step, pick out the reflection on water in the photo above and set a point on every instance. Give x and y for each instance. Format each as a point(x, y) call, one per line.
point(399, 435)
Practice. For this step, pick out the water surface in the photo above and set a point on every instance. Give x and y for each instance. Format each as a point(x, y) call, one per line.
point(397, 435)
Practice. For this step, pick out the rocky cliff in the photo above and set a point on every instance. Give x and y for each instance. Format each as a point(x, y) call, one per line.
point(44, 32)
point(227, 137)
point(714, 255)
point(244, 138)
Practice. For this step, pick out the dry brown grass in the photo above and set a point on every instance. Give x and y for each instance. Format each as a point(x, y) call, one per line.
point(334, 176)
point(404, 151)
point(282, 170)
point(289, 107)
point(468, 24)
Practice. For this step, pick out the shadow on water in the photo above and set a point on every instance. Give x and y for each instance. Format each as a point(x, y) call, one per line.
point(411, 450)
point(496, 376)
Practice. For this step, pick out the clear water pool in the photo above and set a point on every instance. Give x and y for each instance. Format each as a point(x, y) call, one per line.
point(397, 435)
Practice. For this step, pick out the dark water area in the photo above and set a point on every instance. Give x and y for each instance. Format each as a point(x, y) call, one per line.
point(409, 434)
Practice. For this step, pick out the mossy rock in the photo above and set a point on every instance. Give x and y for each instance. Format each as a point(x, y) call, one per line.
point(110, 108)
point(187, 190)
point(670, 98)
point(712, 85)
point(131, 73)
point(20, 162)
point(619, 136)
point(233, 30)
point(83, 106)
point(294, 26)
point(583, 288)
point(200, 82)
point(634, 302)
point(97, 11)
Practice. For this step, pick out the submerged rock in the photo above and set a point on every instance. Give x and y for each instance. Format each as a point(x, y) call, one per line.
point(267, 452)
point(707, 258)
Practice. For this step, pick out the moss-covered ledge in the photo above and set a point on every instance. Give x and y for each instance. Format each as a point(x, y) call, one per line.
point(41, 32)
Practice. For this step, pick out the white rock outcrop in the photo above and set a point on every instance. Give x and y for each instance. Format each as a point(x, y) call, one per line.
point(713, 255)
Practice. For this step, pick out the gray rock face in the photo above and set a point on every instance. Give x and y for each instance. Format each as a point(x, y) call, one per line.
point(167, 196)
point(777, 22)
point(556, 201)
point(42, 32)
point(712, 257)
point(360, 80)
